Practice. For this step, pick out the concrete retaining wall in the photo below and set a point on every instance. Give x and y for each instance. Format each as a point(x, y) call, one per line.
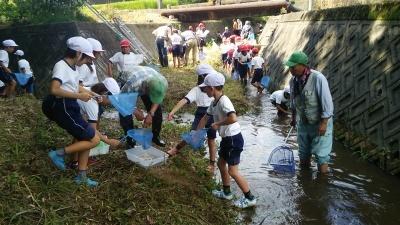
point(361, 61)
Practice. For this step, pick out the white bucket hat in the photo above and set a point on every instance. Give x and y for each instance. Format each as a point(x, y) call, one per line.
point(96, 45)
point(80, 44)
point(213, 79)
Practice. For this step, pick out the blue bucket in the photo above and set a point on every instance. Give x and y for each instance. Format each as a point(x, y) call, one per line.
point(265, 81)
point(125, 103)
point(195, 138)
point(142, 136)
point(282, 159)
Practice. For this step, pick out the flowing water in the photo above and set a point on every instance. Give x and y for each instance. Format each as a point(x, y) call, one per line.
point(355, 192)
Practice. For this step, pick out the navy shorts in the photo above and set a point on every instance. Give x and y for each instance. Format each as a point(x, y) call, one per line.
point(200, 112)
point(242, 69)
point(7, 78)
point(176, 50)
point(258, 74)
point(66, 113)
point(230, 149)
point(183, 51)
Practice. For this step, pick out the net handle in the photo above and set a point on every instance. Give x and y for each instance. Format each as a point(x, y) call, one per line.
point(290, 131)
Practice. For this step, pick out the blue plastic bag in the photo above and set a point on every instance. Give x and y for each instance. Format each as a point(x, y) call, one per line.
point(265, 81)
point(195, 138)
point(125, 103)
point(142, 136)
point(282, 159)
point(22, 78)
point(235, 75)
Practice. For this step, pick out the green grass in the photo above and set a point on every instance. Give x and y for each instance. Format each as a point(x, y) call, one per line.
point(135, 4)
point(34, 192)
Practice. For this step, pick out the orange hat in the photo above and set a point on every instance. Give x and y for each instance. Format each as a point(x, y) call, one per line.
point(124, 43)
point(255, 50)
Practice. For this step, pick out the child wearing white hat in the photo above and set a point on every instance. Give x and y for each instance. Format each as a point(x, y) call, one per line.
point(6, 76)
point(61, 106)
point(25, 72)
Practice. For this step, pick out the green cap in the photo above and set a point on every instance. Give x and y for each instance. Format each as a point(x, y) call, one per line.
point(157, 89)
point(297, 57)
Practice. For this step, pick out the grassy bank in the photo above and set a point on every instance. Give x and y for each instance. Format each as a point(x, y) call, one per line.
point(132, 5)
point(34, 192)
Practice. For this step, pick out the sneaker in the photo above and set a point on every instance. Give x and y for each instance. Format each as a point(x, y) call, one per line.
point(245, 203)
point(57, 160)
point(86, 181)
point(222, 195)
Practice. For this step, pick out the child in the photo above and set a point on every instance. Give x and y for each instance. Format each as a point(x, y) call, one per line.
point(203, 102)
point(225, 121)
point(257, 70)
point(61, 106)
point(242, 65)
point(25, 68)
point(176, 41)
point(6, 75)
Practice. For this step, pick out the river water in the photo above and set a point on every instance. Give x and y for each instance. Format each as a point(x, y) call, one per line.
point(355, 192)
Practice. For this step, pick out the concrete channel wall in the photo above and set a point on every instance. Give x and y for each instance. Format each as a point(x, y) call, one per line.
point(361, 59)
point(44, 45)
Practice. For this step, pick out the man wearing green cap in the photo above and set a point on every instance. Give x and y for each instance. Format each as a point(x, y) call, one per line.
point(151, 86)
point(312, 106)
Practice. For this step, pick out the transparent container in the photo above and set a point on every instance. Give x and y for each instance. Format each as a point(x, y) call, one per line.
point(146, 158)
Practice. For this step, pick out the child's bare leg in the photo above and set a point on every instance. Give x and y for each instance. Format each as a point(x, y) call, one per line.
point(240, 180)
point(226, 180)
point(175, 150)
point(82, 145)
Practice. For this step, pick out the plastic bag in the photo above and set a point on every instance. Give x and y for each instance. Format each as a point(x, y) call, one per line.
point(142, 136)
point(22, 78)
point(195, 138)
point(125, 103)
point(265, 81)
point(235, 75)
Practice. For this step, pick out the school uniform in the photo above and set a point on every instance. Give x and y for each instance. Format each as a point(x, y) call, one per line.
point(232, 142)
point(23, 65)
point(242, 65)
point(66, 111)
point(88, 77)
point(4, 59)
point(125, 64)
point(203, 102)
point(176, 41)
point(257, 62)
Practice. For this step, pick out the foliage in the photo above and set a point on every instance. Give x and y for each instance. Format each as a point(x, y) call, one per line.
point(39, 11)
point(135, 4)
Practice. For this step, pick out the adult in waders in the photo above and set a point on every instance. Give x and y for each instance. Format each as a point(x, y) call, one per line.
point(312, 106)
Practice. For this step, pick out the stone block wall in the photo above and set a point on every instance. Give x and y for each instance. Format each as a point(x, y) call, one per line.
point(361, 60)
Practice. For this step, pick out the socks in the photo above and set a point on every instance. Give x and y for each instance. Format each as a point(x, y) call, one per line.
point(60, 151)
point(249, 195)
point(226, 189)
point(82, 174)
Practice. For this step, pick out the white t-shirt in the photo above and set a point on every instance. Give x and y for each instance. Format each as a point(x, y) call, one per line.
point(4, 57)
point(163, 31)
point(24, 64)
point(2, 84)
point(220, 111)
point(200, 98)
point(244, 58)
point(202, 34)
point(278, 97)
point(125, 62)
point(188, 34)
point(111, 85)
point(90, 109)
point(69, 77)
point(257, 62)
point(176, 39)
point(87, 77)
